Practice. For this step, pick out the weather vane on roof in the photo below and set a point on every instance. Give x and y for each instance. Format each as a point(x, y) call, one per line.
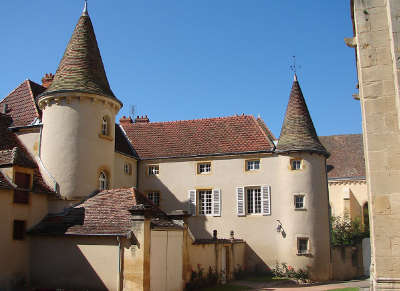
point(294, 68)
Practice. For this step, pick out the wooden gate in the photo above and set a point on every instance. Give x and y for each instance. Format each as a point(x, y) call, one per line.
point(166, 260)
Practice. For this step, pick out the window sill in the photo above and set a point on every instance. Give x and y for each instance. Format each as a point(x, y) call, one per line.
point(304, 254)
point(300, 209)
point(106, 137)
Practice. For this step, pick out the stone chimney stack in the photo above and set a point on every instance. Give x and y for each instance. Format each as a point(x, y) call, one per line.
point(142, 119)
point(125, 120)
point(47, 80)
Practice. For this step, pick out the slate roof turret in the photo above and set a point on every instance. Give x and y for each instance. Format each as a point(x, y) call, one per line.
point(298, 133)
point(81, 69)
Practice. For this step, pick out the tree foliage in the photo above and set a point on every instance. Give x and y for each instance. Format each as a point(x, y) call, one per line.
point(347, 232)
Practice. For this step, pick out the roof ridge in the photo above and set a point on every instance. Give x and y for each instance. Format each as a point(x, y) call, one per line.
point(197, 119)
point(33, 97)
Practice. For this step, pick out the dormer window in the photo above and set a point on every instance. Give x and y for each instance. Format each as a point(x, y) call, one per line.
point(104, 126)
point(103, 181)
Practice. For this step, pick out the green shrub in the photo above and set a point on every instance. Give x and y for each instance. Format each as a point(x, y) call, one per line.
point(347, 232)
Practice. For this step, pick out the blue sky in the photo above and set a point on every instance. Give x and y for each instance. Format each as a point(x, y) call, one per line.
point(186, 59)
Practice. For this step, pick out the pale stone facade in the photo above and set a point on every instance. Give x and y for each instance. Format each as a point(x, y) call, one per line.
point(376, 39)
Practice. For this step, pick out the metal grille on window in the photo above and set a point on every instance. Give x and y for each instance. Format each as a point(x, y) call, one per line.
point(154, 170)
point(302, 245)
point(205, 202)
point(254, 200)
point(296, 164)
point(103, 181)
point(155, 197)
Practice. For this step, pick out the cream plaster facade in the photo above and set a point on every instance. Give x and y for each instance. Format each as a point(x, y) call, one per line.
point(177, 176)
point(16, 252)
point(377, 31)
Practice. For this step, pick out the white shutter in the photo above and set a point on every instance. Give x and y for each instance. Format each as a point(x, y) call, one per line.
point(266, 200)
point(216, 202)
point(240, 201)
point(192, 202)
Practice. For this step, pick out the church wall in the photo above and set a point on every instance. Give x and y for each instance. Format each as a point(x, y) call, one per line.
point(16, 252)
point(266, 246)
point(377, 45)
point(122, 179)
point(76, 153)
point(337, 193)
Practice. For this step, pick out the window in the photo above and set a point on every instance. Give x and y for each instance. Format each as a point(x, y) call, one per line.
point(299, 202)
point(295, 164)
point(204, 168)
point(253, 200)
point(154, 197)
point(23, 182)
point(252, 165)
point(103, 181)
point(154, 170)
point(128, 168)
point(19, 230)
point(302, 246)
point(104, 126)
point(205, 202)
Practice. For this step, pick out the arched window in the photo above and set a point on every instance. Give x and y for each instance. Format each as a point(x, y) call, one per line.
point(365, 217)
point(103, 181)
point(104, 126)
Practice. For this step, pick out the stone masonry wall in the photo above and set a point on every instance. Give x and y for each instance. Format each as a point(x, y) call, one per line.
point(377, 27)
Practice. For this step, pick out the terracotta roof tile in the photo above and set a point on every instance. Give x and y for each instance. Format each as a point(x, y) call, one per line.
point(21, 103)
point(105, 213)
point(347, 156)
point(225, 135)
point(298, 132)
point(81, 69)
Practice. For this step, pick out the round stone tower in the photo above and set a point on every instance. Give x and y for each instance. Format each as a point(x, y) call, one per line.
point(78, 116)
point(304, 241)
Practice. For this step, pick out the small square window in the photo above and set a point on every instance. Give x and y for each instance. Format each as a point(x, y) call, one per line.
point(128, 168)
point(302, 246)
point(295, 164)
point(19, 230)
point(299, 201)
point(252, 165)
point(204, 168)
point(154, 197)
point(154, 170)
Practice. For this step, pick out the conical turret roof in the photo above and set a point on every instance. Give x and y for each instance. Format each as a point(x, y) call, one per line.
point(298, 133)
point(81, 69)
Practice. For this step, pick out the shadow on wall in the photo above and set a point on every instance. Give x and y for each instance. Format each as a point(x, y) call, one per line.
point(63, 263)
point(197, 224)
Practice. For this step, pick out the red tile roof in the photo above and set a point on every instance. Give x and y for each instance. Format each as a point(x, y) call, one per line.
point(105, 213)
point(199, 137)
point(4, 184)
point(347, 156)
point(21, 103)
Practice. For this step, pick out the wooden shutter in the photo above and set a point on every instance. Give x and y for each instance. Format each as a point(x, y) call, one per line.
point(266, 200)
point(216, 202)
point(192, 202)
point(240, 201)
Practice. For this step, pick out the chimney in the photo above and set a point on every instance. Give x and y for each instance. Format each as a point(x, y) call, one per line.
point(125, 120)
point(47, 79)
point(142, 119)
